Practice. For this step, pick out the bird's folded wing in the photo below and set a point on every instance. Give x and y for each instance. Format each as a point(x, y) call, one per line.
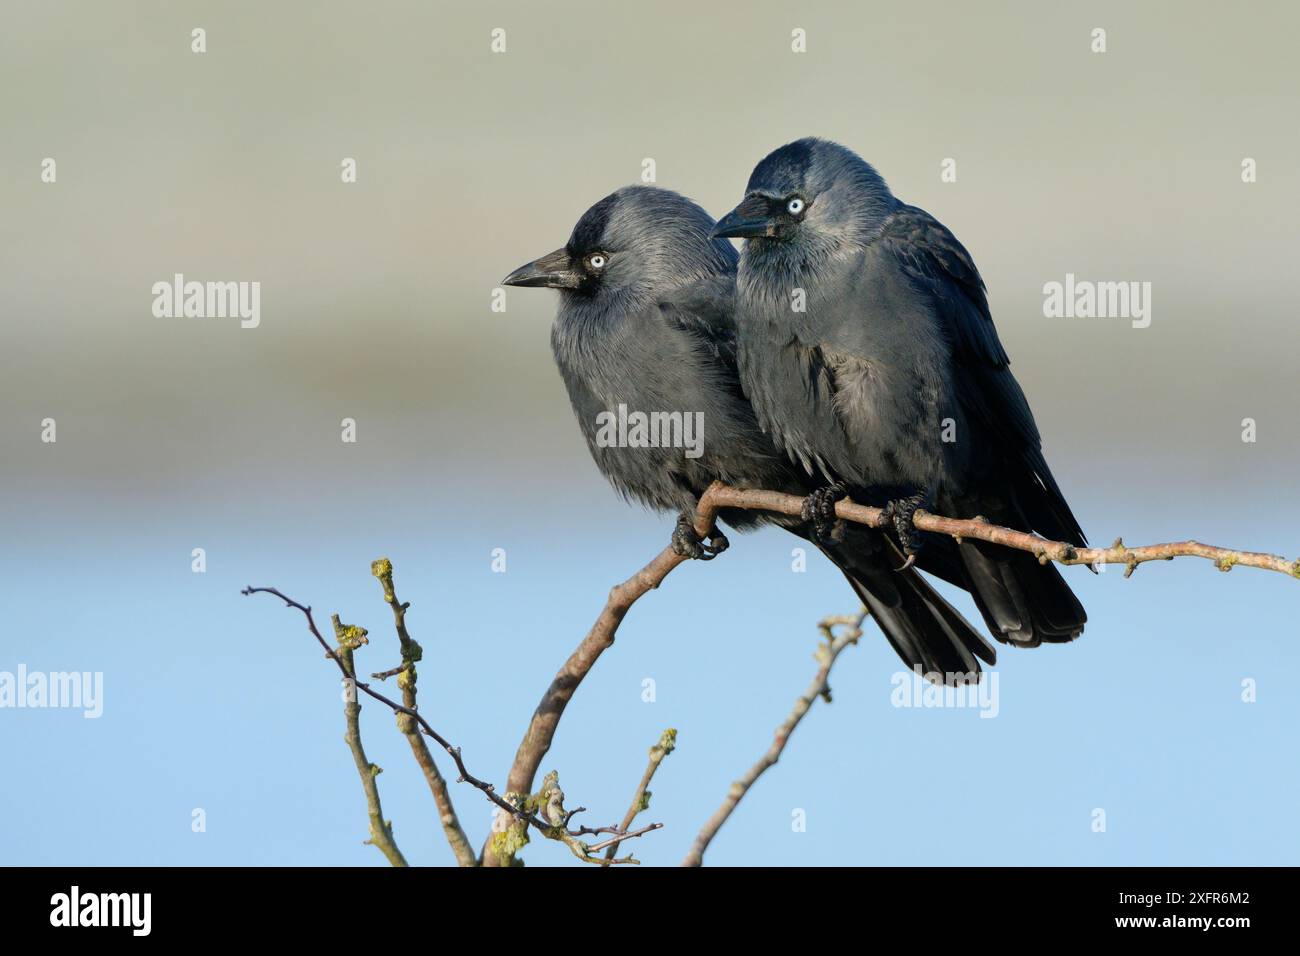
point(946, 280)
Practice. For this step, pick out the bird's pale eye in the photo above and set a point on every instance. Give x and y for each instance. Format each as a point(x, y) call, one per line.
point(597, 261)
point(794, 206)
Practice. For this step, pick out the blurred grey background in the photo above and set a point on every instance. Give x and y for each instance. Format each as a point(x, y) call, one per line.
point(176, 433)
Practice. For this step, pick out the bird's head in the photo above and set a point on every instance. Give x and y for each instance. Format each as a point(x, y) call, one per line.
point(809, 189)
point(640, 239)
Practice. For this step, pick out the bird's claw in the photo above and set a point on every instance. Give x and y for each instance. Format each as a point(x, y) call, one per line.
point(717, 543)
point(902, 513)
point(819, 510)
point(688, 544)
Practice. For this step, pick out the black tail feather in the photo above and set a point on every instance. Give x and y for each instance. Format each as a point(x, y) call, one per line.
point(1025, 603)
point(924, 629)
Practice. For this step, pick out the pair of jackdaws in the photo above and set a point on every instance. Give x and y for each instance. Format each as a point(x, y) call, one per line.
point(848, 350)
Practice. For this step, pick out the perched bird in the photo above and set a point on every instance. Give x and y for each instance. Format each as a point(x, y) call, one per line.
point(866, 346)
point(645, 324)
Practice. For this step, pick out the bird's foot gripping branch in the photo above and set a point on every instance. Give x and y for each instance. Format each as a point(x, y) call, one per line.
point(687, 543)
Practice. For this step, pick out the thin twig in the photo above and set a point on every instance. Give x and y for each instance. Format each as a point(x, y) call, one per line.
point(406, 681)
point(613, 842)
point(381, 830)
point(665, 745)
point(516, 810)
point(827, 654)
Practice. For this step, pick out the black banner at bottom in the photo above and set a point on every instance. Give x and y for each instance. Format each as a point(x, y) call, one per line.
point(336, 906)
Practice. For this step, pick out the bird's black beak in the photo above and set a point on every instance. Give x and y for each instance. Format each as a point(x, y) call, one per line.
point(552, 271)
point(751, 219)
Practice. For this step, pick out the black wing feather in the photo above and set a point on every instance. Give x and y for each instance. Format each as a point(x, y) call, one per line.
point(939, 264)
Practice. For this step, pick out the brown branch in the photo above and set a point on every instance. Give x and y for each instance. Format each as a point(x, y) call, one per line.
point(666, 744)
point(826, 656)
point(546, 718)
point(406, 681)
point(381, 830)
point(518, 810)
point(541, 729)
point(613, 842)
point(722, 496)
point(549, 803)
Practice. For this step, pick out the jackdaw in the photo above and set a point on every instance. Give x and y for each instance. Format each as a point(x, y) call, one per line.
point(646, 325)
point(867, 348)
